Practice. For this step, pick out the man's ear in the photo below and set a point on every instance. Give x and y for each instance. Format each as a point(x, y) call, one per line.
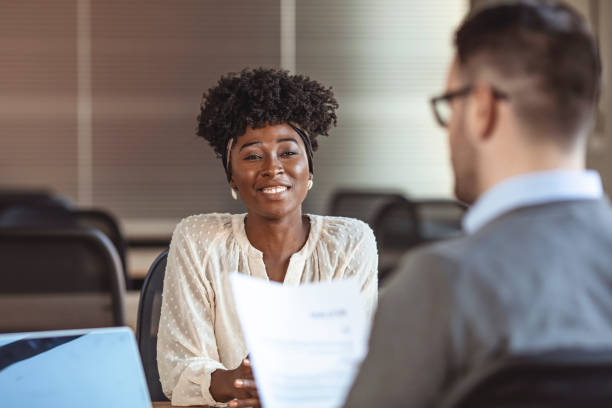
point(483, 111)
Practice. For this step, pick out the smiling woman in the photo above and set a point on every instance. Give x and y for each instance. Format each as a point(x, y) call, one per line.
point(263, 125)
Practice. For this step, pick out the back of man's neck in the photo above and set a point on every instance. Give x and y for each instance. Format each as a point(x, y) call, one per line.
point(538, 160)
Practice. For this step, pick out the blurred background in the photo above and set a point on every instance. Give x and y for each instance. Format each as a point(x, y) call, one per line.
point(99, 99)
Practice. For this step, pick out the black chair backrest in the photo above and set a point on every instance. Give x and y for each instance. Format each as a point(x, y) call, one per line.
point(149, 311)
point(396, 225)
point(363, 205)
point(397, 229)
point(108, 224)
point(53, 216)
point(59, 279)
point(10, 198)
point(37, 216)
point(440, 218)
point(562, 378)
point(401, 224)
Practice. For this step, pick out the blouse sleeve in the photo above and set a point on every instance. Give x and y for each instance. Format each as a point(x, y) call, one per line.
point(187, 349)
point(364, 267)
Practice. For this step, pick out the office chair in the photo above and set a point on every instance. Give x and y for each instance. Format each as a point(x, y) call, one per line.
point(402, 224)
point(397, 229)
point(108, 224)
point(11, 197)
point(59, 279)
point(439, 218)
point(37, 216)
point(559, 379)
point(46, 215)
point(149, 310)
point(363, 205)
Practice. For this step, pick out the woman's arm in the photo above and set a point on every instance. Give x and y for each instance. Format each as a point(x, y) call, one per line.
point(364, 267)
point(187, 352)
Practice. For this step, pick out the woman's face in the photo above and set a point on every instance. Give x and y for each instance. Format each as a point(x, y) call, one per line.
point(270, 170)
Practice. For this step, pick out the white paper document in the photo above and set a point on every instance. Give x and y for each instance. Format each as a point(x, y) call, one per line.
point(305, 342)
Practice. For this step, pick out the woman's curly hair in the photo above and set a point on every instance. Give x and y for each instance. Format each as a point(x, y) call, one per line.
point(255, 97)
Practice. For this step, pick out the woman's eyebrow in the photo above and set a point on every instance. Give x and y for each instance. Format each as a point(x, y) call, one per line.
point(287, 139)
point(248, 144)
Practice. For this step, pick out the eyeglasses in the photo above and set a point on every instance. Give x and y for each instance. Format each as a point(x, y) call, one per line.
point(441, 104)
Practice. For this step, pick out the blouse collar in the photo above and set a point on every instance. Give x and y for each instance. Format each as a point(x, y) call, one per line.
point(238, 227)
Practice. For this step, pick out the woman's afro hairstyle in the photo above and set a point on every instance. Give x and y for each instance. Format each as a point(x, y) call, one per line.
point(255, 97)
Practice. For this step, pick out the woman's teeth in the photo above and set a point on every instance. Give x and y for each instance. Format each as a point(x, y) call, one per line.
point(274, 190)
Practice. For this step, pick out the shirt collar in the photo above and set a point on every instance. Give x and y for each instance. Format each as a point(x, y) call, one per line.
point(532, 189)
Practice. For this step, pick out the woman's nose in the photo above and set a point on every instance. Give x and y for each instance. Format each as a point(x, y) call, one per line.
point(272, 167)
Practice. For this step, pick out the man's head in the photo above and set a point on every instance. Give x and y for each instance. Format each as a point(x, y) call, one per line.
point(523, 89)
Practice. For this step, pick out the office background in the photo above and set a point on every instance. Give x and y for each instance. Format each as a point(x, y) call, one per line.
point(99, 98)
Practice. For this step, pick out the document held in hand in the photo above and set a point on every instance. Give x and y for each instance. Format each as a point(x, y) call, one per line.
point(305, 342)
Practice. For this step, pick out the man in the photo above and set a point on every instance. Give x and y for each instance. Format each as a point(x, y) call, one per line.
point(534, 270)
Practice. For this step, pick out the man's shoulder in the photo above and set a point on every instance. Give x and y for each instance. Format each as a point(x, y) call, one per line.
point(526, 236)
point(546, 218)
point(579, 213)
point(545, 227)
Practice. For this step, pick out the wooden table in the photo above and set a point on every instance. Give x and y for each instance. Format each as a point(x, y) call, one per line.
point(140, 259)
point(131, 308)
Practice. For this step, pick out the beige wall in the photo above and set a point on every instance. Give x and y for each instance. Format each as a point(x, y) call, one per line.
point(38, 95)
point(385, 59)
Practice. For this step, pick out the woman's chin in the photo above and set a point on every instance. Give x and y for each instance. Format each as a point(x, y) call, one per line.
point(276, 210)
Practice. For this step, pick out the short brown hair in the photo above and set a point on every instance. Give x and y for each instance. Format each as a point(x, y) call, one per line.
point(546, 42)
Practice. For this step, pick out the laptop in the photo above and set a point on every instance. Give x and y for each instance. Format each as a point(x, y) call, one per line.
point(94, 368)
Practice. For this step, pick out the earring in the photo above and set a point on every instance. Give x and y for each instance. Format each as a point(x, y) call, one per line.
point(234, 193)
point(310, 183)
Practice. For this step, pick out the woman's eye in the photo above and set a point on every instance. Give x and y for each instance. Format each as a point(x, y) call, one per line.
point(251, 157)
point(287, 154)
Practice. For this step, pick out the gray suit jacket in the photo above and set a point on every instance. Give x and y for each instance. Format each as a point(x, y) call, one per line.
point(536, 278)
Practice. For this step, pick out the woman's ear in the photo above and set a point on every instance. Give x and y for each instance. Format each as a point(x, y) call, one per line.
point(233, 189)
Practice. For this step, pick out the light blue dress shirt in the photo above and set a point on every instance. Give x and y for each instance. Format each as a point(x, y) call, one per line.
point(532, 189)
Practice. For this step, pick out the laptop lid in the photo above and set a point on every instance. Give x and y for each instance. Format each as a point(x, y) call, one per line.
point(94, 368)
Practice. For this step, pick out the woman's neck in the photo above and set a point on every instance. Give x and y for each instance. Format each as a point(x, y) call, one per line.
point(277, 239)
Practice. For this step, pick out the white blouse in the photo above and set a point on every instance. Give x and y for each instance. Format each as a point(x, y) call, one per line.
point(199, 331)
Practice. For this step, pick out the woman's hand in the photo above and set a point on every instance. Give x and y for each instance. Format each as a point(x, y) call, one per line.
point(237, 385)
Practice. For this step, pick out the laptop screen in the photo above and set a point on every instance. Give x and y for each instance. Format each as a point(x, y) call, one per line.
point(72, 368)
